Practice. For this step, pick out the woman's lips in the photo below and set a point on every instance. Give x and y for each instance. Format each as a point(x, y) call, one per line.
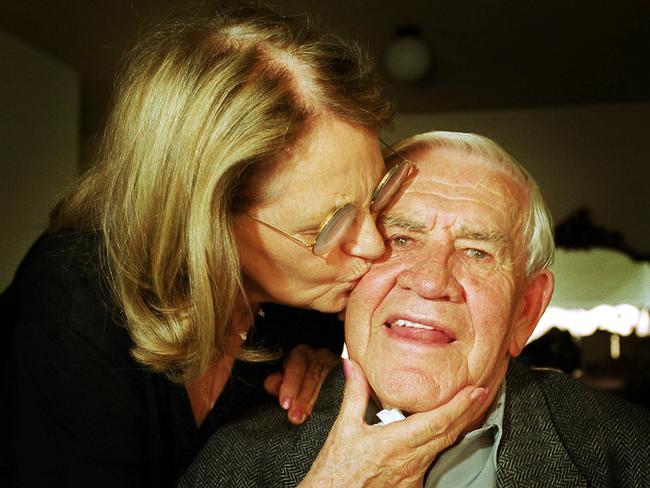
point(418, 331)
point(353, 282)
point(350, 286)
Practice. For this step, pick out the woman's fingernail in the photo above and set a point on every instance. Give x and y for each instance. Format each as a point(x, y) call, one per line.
point(297, 416)
point(286, 403)
point(479, 393)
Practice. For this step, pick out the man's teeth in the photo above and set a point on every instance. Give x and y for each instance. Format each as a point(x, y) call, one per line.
point(408, 323)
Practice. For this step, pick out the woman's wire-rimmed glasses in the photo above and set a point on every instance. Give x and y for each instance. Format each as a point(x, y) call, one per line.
point(337, 223)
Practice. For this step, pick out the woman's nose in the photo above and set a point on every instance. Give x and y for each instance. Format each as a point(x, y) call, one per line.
point(433, 279)
point(364, 239)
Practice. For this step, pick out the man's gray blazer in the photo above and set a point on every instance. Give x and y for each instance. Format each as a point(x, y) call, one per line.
point(556, 432)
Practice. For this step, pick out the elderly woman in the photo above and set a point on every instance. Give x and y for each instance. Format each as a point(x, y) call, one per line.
point(239, 165)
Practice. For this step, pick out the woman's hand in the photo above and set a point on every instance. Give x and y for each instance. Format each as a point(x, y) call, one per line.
point(398, 454)
point(298, 386)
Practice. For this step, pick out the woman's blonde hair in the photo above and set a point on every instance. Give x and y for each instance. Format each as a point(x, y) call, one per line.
point(538, 224)
point(201, 108)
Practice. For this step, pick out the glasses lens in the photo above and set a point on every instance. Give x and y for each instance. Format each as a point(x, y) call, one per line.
point(389, 184)
point(335, 228)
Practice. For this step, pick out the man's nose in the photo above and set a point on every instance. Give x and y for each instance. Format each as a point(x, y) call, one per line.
point(432, 278)
point(364, 239)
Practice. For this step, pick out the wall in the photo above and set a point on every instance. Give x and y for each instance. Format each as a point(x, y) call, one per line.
point(592, 156)
point(39, 127)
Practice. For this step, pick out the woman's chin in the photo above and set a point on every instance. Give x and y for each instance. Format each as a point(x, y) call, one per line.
point(341, 303)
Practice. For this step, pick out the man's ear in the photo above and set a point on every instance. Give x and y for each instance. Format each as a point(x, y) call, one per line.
point(534, 301)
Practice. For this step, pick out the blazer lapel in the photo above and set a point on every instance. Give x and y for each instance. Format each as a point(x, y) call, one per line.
point(531, 452)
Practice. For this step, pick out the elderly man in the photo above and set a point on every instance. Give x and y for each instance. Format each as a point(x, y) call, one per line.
point(457, 295)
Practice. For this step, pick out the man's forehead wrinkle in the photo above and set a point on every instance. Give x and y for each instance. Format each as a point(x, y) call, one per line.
point(476, 173)
point(496, 204)
point(490, 182)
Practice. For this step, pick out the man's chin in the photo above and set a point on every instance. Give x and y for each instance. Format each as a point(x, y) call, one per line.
point(410, 405)
point(410, 386)
point(407, 394)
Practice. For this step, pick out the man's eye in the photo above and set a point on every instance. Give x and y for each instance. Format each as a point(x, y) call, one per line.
point(399, 241)
point(476, 253)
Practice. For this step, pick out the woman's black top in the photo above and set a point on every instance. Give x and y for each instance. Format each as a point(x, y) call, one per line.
point(77, 410)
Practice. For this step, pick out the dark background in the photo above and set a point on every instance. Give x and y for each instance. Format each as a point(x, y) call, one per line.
point(489, 54)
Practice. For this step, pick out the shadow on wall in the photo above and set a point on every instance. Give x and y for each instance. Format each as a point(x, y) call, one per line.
point(39, 135)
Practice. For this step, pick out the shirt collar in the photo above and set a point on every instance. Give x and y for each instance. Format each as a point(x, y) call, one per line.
point(493, 421)
point(494, 417)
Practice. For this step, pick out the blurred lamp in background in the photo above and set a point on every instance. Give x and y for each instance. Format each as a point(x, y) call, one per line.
point(408, 57)
point(598, 289)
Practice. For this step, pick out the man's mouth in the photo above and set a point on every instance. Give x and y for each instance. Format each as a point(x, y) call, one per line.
point(418, 331)
point(408, 323)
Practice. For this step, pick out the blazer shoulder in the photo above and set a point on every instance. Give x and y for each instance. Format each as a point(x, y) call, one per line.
point(614, 430)
point(245, 453)
point(561, 391)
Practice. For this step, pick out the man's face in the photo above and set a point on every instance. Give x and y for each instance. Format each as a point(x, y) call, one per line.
point(441, 309)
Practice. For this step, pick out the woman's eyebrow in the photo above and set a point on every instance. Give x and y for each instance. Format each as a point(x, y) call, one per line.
point(401, 222)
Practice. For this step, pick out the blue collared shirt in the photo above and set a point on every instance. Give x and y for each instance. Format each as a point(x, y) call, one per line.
point(472, 462)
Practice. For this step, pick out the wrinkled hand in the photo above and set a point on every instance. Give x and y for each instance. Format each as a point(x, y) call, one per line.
point(298, 386)
point(398, 455)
